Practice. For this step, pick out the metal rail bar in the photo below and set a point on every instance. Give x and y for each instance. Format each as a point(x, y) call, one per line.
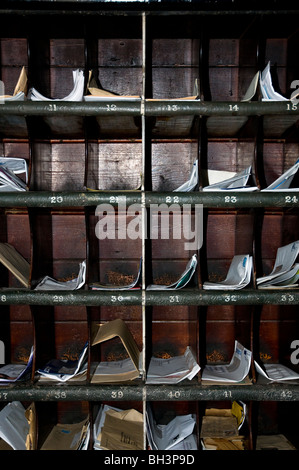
point(148, 108)
point(100, 7)
point(195, 297)
point(119, 199)
point(179, 392)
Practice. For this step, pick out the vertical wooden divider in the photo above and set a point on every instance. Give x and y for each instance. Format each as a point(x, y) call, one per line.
point(38, 230)
point(146, 185)
point(92, 248)
point(5, 309)
point(258, 126)
point(205, 95)
point(31, 72)
point(202, 149)
point(89, 57)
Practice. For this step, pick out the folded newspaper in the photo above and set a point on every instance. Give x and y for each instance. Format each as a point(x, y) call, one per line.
point(230, 181)
point(114, 371)
point(15, 263)
point(9, 169)
point(188, 443)
point(48, 283)
point(10, 373)
point(192, 182)
point(276, 372)
point(285, 272)
point(74, 436)
point(267, 89)
point(223, 423)
point(170, 436)
point(98, 94)
point(20, 89)
point(263, 80)
point(234, 372)
point(182, 281)
point(99, 423)
point(172, 370)
point(284, 182)
point(62, 370)
point(14, 426)
point(122, 370)
point(76, 93)
point(116, 429)
point(238, 276)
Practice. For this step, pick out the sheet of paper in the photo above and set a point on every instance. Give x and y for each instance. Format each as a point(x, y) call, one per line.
point(251, 91)
point(235, 371)
point(284, 263)
point(14, 426)
point(115, 371)
point(98, 94)
point(15, 263)
point(68, 436)
point(192, 182)
point(20, 89)
point(238, 276)
point(182, 281)
point(276, 372)
point(165, 437)
point(64, 370)
point(267, 89)
point(10, 168)
point(117, 424)
point(10, 373)
point(48, 283)
point(76, 93)
point(189, 443)
point(172, 370)
point(110, 330)
point(99, 423)
point(237, 182)
point(284, 182)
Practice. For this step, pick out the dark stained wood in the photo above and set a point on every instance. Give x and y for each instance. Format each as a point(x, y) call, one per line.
point(107, 154)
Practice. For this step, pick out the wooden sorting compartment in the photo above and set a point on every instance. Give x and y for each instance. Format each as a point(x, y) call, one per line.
point(159, 58)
